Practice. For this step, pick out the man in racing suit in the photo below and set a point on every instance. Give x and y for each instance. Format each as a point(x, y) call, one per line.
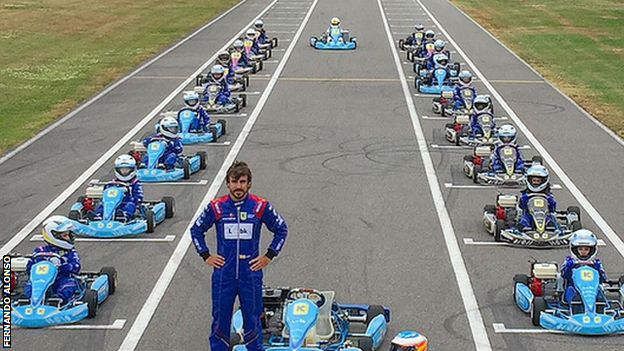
point(168, 129)
point(438, 49)
point(334, 25)
point(464, 81)
point(482, 105)
point(239, 47)
point(441, 62)
point(225, 60)
point(411, 39)
point(506, 137)
point(202, 119)
point(237, 261)
point(262, 35)
point(58, 233)
point(217, 76)
point(583, 250)
point(538, 182)
point(125, 172)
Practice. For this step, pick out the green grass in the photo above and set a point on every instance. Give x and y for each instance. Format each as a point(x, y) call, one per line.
point(57, 53)
point(576, 44)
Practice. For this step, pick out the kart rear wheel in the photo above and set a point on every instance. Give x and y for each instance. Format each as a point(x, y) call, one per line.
point(475, 172)
point(244, 99)
point(186, 166)
point(537, 160)
point(442, 111)
point(111, 273)
point(575, 209)
point(365, 343)
point(75, 215)
point(214, 133)
point(417, 84)
point(410, 56)
point(223, 123)
point(151, 221)
point(521, 278)
point(169, 206)
point(498, 228)
point(489, 209)
point(401, 44)
point(372, 312)
point(203, 159)
point(539, 306)
point(246, 79)
point(254, 69)
point(576, 225)
point(91, 299)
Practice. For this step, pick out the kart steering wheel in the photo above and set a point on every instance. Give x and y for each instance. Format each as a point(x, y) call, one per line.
point(304, 293)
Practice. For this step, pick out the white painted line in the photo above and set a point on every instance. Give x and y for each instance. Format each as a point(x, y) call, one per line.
point(283, 18)
point(554, 166)
point(118, 324)
point(473, 313)
point(274, 61)
point(501, 329)
point(225, 143)
point(400, 26)
point(142, 320)
point(423, 95)
point(113, 86)
point(459, 186)
point(123, 142)
point(252, 92)
point(436, 118)
point(199, 182)
point(470, 241)
point(287, 39)
point(436, 146)
point(239, 115)
point(278, 49)
point(283, 24)
point(167, 238)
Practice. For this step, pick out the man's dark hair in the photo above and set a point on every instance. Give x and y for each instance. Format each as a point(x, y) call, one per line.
point(238, 169)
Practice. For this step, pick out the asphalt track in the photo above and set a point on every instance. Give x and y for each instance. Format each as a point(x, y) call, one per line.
point(334, 148)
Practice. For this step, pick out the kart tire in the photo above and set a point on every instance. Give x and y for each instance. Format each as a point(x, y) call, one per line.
point(235, 339)
point(81, 198)
point(372, 312)
point(417, 84)
point(475, 172)
point(521, 278)
point(111, 273)
point(365, 343)
point(275, 42)
point(401, 44)
point(213, 131)
point(254, 69)
point(576, 225)
point(75, 215)
point(244, 97)
point(539, 306)
point(489, 209)
point(498, 227)
point(186, 166)
point(246, 79)
point(169, 206)
point(537, 160)
point(575, 209)
point(442, 111)
point(223, 124)
point(260, 66)
point(621, 280)
point(410, 56)
point(238, 107)
point(458, 137)
point(203, 159)
point(243, 86)
point(91, 299)
point(468, 158)
point(151, 221)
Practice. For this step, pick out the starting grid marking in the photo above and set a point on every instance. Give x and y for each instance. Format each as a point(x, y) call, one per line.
point(503, 118)
point(198, 182)
point(500, 328)
point(118, 324)
point(470, 241)
point(166, 239)
point(459, 186)
point(436, 146)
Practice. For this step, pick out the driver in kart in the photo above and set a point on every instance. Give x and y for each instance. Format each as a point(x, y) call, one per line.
point(464, 81)
point(168, 130)
point(428, 39)
point(482, 106)
point(334, 24)
point(441, 62)
point(217, 76)
point(583, 250)
point(58, 233)
point(538, 183)
point(252, 35)
point(259, 27)
point(225, 60)
point(201, 120)
point(125, 172)
point(411, 39)
point(237, 261)
point(438, 48)
point(506, 138)
point(239, 47)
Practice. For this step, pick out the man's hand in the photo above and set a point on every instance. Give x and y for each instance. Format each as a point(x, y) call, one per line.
point(217, 261)
point(259, 262)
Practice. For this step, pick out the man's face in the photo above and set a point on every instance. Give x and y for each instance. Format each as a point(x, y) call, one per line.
point(239, 187)
point(583, 251)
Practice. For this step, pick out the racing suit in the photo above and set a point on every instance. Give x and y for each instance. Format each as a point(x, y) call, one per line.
point(130, 201)
point(243, 61)
point(526, 221)
point(224, 95)
point(411, 39)
point(497, 162)
point(262, 37)
point(328, 32)
point(566, 273)
point(457, 96)
point(65, 285)
point(201, 120)
point(431, 75)
point(475, 127)
point(238, 226)
point(430, 63)
point(173, 149)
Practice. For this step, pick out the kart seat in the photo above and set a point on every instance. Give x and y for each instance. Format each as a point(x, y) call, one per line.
point(324, 324)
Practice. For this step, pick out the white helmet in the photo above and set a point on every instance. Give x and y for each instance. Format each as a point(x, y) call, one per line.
point(259, 24)
point(54, 227)
point(583, 238)
point(440, 60)
point(251, 33)
point(169, 127)
point(537, 178)
point(217, 70)
point(238, 45)
point(465, 78)
point(507, 134)
point(482, 103)
point(125, 168)
point(335, 21)
point(191, 99)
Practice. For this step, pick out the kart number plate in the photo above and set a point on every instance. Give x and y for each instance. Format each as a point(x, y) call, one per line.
point(236, 55)
point(467, 92)
point(113, 192)
point(155, 146)
point(300, 309)
point(43, 269)
point(335, 31)
point(539, 203)
point(429, 46)
point(248, 43)
point(485, 119)
point(587, 276)
point(507, 152)
point(213, 88)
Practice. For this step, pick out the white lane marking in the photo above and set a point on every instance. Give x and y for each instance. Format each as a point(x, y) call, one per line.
point(198, 182)
point(437, 118)
point(239, 115)
point(278, 49)
point(283, 24)
point(464, 285)
point(89, 102)
point(436, 146)
point(459, 186)
point(613, 135)
point(23, 233)
point(118, 324)
point(423, 95)
point(225, 143)
point(167, 238)
point(274, 61)
point(149, 308)
point(576, 192)
point(470, 241)
point(252, 93)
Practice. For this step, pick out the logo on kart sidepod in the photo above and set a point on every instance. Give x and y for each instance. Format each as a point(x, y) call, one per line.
point(301, 308)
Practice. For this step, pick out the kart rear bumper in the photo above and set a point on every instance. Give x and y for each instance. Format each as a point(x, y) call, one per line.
point(333, 45)
point(552, 240)
point(36, 317)
point(111, 229)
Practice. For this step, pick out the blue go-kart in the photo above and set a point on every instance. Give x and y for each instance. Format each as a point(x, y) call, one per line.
point(42, 309)
point(336, 40)
point(307, 319)
point(433, 82)
point(113, 224)
point(591, 307)
point(152, 171)
point(186, 117)
point(210, 100)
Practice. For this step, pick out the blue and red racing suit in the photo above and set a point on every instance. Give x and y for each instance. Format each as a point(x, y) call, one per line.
point(262, 37)
point(497, 163)
point(130, 201)
point(201, 120)
point(238, 226)
point(173, 149)
point(526, 221)
point(65, 285)
point(457, 96)
point(566, 273)
point(224, 95)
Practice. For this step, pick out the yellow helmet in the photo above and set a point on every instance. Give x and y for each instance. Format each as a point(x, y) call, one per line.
point(335, 21)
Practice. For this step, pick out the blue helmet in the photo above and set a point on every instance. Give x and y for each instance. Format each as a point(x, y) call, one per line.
point(465, 78)
point(438, 45)
point(537, 178)
point(482, 103)
point(440, 60)
point(125, 167)
point(419, 27)
point(259, 24)
point(169, 127)
point(507, 134)
point(583, 238)
point(191, 99)
point(217, 72)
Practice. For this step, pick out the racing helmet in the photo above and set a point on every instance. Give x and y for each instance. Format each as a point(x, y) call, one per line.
point(482, 103)
point(224, 59)
point(507, 134)
point(465, 78)
point(169, 127)
point(55, 227)
point(217, 73)
point(409, 340)
point(238, 45)
point(429, 34)
point(440, 60)
point(438, 45)
point(259, 24)
point(418, 27)
point(251, 34)
point(583, 238)
point(191, 99)
point(335, 21)
point(125, 168)
point(537, 178)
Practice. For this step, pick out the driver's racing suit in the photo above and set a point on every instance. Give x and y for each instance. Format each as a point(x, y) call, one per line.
point(497, 162)
point(65, 285)
point(566, 273)
point(526, 221)
point(238, 226)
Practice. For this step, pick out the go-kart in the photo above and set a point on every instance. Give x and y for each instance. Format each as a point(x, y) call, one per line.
point(239, 82)
point(595, 309)
point(252, 66)
point(445, 106)
point(460, 133)
point(186, 117)
point(478, 166)
point(418, 37)
point(433, 82)
point(336, 40)
point(112, 224)
point(209, 100)
point(307, 319)
point(42, 309)
point(267, 43)
point(548, 229)
point(420, 54)
point(152, 171)
point(261, 55)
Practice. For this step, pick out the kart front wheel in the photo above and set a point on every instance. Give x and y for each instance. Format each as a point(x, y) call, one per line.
point(576, 210)
point(169, 206)
point(186, 166)
point(539, 306)
point(91, 299)
point(537, 160)
point(75, 215)
point(491, 209)
point(498, 228)
point(151, 221)
point(372, 312)
point(243, 99)
point(111, 273)
point(203, 159)
point(365, 343)
point(223, 124)
point(475, 172)
point(576, 225)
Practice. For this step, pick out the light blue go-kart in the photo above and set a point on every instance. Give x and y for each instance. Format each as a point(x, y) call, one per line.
point(433, 82)
point(337, 39)
point(595, 308)
point(42, 309)
point(153, 171)
point(310, 320)
point(186, 117)
point(112, 224)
